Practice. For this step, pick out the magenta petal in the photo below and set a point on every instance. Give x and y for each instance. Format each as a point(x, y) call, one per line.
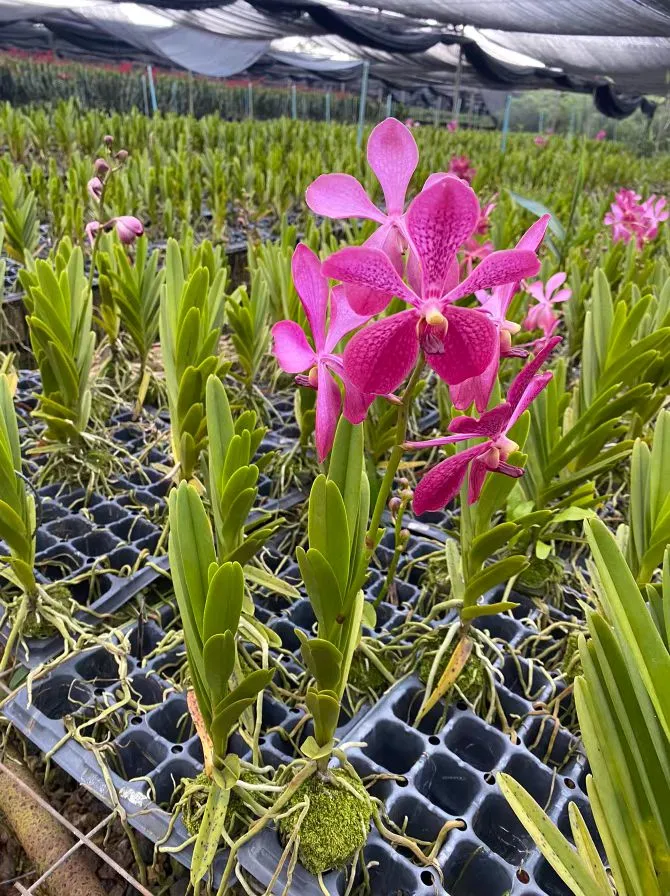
point(434, 178)
point(356, 403)
point(554, 282)
point(441, 484)
point(528, 371)
point(361, 266)
point(380, 356)
point(388, 239)
point(497, 269)
point(528, 396)
point(478, 471)
point(291, 349)
point(393, 156)
point(491, 423)
point(343, 318)
point(341, 196)
point(312, 287)
point(328, 400)
point(438, 221)
point(469, 346)
point(477, 390)
point(533, 237)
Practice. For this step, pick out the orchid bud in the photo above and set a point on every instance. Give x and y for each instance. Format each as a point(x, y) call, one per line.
point(91, 230)
point(94, 187)
point(403, 537)
point(122, 155)
point(100, 167)
point(128, 228)
point(108, 139)
point(394, 505)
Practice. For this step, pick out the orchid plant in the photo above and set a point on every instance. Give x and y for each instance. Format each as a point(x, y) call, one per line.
point(412, 257)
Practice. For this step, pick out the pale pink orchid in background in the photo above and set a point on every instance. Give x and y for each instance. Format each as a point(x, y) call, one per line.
point(655, 212)
point(541, 316)
point(128, 228)
point(601, 135)
point(295, 355)
point(458, 343)
point(496, 304)
point(393, 156)
point(631, 219)
point(452, 125)
point(94, 187)
point(540, 140)
point(461, 166)
point(442, 483)
point(474, 251)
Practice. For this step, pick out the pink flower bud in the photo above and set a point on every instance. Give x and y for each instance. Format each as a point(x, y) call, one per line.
point(91, 229)
point(100, 166)
point(394, 505)
point(94, 187)
point(122, 155)
point(128, 228)
point(108, 139)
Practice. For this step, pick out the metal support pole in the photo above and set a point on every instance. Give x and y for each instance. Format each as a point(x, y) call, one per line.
point(389, 105)
point(571, 126)
point(362, 103)
point(145, 94)
point(294, 103)
point(190, 93)
point(250, 100)
point(457, 86)
point(505, 125)
point(152, 88)
point(328, 106)
point(436, 112)
point(540, 125)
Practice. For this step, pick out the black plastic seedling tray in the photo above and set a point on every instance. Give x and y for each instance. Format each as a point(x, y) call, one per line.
point(102, 550)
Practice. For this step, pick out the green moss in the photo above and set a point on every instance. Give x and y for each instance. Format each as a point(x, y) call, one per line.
point(572, 663)
point(471, 681)
point(193, 805)
point(364, 675)
point(36, 626)
point(336, 825)
point(540, 575)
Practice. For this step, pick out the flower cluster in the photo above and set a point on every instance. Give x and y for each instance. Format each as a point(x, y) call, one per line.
point(127, 227)
point(630, 218)
point(413, 256)
point(541, 316)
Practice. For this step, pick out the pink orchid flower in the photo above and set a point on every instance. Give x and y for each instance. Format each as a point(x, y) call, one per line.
point(626, 218)
point(295, 355)
point(655, 212)
point(461, 166)
point(540, 140)
point(452, 125)
point(496, 304)
point(541, 316)
point(128, 228)
point(91, 230)
point(459, 343)
point(94, 187)
point(601, 135)
point(393, 156)
point(441, 484)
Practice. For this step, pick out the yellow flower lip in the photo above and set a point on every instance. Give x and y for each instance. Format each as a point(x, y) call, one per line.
point(313, 377)
point(435, 318)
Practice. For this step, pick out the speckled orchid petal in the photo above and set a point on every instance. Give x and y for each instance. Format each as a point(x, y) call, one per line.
point(362, 266)
point(381, 355)
point(393, 156)
point(441, 484)
point(497, 269)
point(467, 348)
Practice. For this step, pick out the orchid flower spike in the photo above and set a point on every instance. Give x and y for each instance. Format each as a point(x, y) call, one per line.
point(441, 484)
point(541, 316)
point(128, 228)
point(458, 343)
point(393, 156)
point(323, 368)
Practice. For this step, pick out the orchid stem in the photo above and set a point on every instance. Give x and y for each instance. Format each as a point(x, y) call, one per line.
point(394, 459)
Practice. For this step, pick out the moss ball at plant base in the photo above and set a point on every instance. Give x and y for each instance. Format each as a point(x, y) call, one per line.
point(471, 681)
point(364, 675)
point(336, 825)
point(194, 804)
point(572, 663)
point(540, 576)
